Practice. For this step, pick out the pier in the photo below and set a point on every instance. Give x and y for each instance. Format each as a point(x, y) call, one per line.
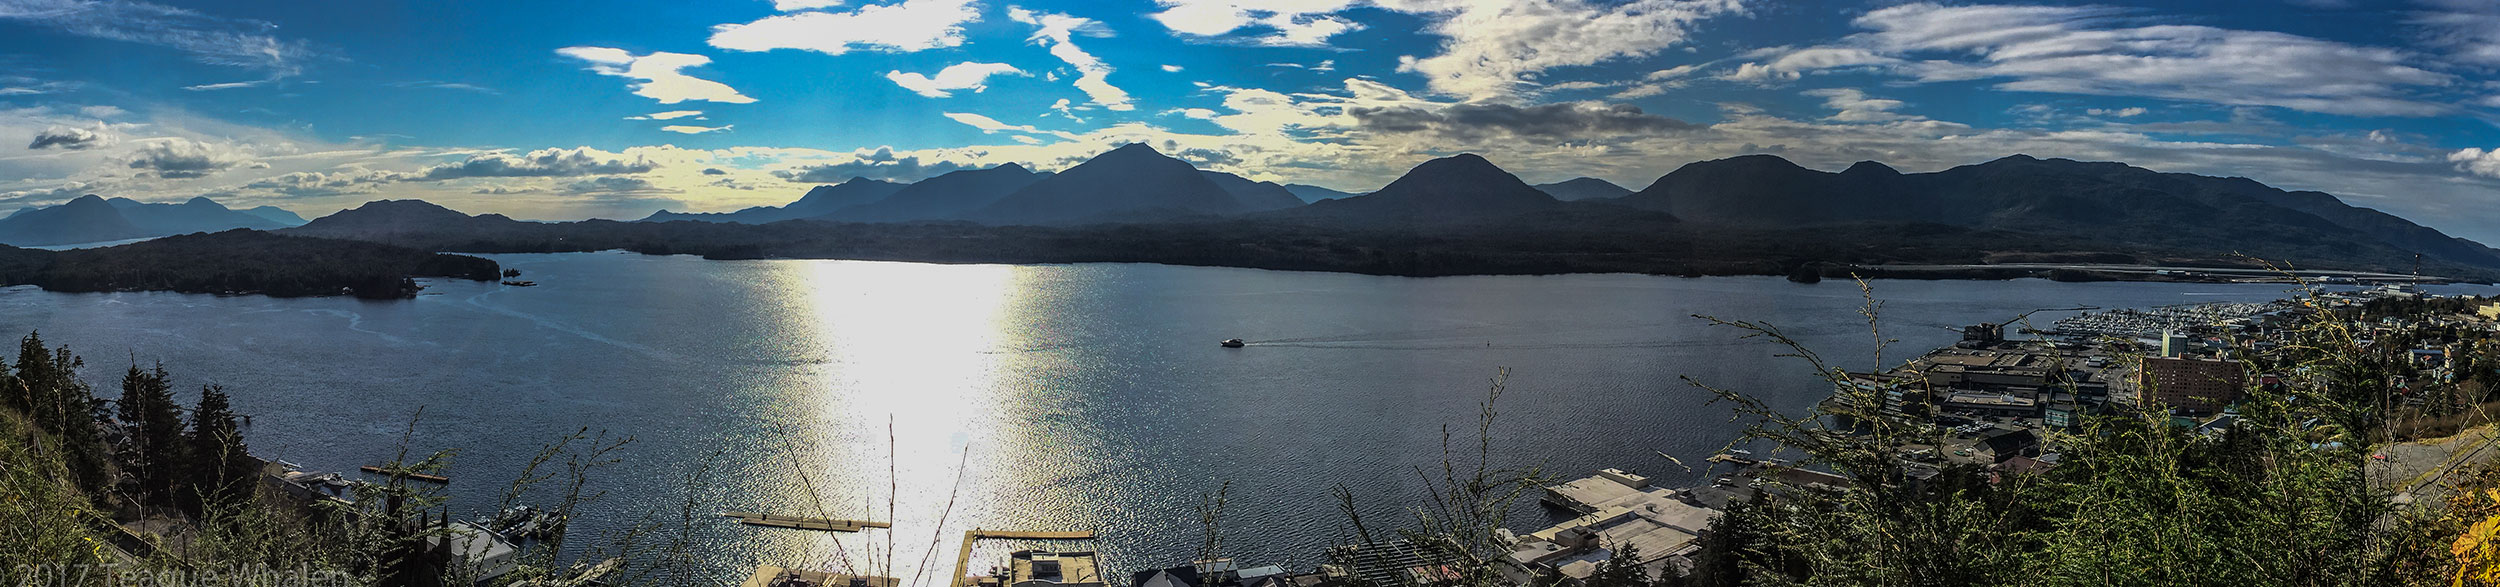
point(963, 558)
point(803, 523)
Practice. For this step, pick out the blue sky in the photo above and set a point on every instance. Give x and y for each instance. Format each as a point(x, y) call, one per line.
point(562, 111)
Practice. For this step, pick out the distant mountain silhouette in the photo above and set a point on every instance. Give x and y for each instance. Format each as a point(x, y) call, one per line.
point(945, 197)
point(1254, 195)
point(1459, 188)
point(383, 219)
point(821, 200)
point(1311, 193)
point(86, 219)
point(1584, 188)
point(277, 214)
point(1131, 183)
point(198, 214)
point(2113, 202)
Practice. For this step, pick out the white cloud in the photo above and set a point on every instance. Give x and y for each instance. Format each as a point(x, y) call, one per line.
point(2477, 161)
point(2115, 52)
point(960, 76)
point(2129, 112)
point(1288, 22)
point(907, 26)
point(181, 158)
point(1169, 68)
point(1058, 32)
point(669, 115)
point(659, 74)
point(695, 130)
point(791, 5)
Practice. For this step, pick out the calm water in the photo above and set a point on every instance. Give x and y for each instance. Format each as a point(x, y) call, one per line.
point(1075, 397)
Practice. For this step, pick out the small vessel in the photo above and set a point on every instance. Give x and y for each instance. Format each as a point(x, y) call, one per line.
point(517, 283)
point(1232, 343)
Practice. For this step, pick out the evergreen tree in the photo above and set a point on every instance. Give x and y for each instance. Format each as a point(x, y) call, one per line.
point(59, 402)
point(223, 468)
point(156, 448)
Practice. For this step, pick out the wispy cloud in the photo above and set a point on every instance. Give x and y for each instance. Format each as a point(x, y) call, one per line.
point(208, 39)
point(226, 86)
point(2114, 52)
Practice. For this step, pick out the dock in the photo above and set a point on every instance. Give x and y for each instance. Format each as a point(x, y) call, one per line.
point(803, 522)
point(417, 476)
point(963, 558)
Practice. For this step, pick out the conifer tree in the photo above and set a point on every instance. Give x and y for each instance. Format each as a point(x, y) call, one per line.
point(156, 452)
point(223, 466)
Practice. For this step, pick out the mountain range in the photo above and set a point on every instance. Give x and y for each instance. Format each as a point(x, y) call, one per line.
point(92, 218)
point(1463, 213)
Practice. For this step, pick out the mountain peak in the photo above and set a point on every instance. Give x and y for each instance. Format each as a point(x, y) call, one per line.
point(1013, 166)
point(203, 202)
point(87, 200)
point(1870, 167)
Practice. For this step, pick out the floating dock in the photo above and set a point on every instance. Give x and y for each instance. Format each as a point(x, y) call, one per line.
point(963, 558)
point(803, 523)
point(417, 476)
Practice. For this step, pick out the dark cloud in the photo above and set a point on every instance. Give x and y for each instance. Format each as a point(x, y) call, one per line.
point(506, 191)
point(315, 184)
point(714, 171)
point(183, 159)
point(67, 138)
point(540, 163)
point(614, 185)
point(1561, 121)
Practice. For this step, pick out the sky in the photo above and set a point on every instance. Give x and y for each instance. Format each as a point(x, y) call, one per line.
point(572, 110)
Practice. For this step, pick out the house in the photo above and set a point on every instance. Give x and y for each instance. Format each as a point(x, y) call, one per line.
point(2001, 444)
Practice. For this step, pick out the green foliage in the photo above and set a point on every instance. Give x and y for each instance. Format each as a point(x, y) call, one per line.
point(2281, 498)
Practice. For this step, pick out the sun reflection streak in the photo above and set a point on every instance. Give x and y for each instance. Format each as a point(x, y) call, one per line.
point(914, 345)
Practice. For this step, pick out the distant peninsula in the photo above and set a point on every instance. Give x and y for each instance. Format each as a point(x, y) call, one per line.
point(241, 261)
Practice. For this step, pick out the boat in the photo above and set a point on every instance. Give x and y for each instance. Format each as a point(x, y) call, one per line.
point(1232, 343)
point(520, 283)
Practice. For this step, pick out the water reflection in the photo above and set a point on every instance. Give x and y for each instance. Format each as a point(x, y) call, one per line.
point(910, 391)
